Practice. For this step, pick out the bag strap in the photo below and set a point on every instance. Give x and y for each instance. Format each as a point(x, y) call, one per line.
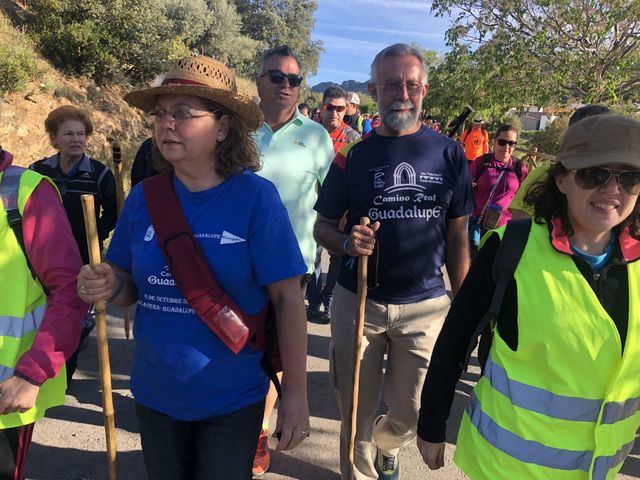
point(9, 190)
point(183, 255)
point(194, 276)
point(504, 267)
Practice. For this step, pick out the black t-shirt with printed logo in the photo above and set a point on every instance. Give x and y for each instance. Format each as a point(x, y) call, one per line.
point(412, 184)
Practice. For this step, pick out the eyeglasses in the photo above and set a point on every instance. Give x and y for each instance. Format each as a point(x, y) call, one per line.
point(502, 142)
point(394, 88)
point(334, 108)
point(179, 115)
point(277, 77)
point(594, 177)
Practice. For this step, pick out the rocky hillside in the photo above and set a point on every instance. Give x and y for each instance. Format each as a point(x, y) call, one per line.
point(22, 113)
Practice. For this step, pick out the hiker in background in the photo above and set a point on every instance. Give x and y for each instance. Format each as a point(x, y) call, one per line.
point(199, 404)
point(76, 174)
point(353, 117)
point(562, 378)
point(375, 121)
point(496, 178)
point(475, 139)
point(296, 153)
point(334, 101)
point(38, 331)
point(366, 123)
point(518, 208)
point(303, 108)
point(143, 163)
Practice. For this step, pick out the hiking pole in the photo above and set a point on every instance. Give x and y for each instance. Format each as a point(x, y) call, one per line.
point(88, 209)
point(117, 167)
point(361, 298)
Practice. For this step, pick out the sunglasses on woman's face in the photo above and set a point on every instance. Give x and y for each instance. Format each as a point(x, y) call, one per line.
point(277, 77)
point(594, 177)
point(502, 142)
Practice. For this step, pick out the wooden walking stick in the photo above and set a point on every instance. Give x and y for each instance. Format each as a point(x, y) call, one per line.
point(101, 329)
point(361, 297)
point(117, 167)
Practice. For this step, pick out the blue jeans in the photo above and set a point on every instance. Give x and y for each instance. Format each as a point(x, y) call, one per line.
point(220, 447)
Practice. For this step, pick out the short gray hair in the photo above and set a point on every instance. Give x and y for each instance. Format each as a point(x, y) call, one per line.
point(280, 51)
point(398, 50)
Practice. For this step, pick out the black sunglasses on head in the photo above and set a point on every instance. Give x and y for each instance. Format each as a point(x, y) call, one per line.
point(594, 177)
point(277, 77)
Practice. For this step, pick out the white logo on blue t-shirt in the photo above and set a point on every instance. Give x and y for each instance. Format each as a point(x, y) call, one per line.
point(150, 233)
point(227, 238)
point(404, 178)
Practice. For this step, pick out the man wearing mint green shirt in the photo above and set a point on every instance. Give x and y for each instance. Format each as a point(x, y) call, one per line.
point(296, 154)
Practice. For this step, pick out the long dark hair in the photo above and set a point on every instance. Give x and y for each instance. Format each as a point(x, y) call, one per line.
point(549, 202)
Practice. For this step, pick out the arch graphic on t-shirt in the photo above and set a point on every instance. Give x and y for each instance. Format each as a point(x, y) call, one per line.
point(404, 178)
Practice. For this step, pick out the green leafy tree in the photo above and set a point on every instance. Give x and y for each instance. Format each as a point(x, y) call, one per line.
point(480, 79)
point(105, 39)
point(280, 22)
point(589, 49)
point(213, 27)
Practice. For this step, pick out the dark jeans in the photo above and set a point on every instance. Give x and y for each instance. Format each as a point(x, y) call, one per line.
point(318, 294)
point(14, 445)
point(220, 447)
point(88, 324)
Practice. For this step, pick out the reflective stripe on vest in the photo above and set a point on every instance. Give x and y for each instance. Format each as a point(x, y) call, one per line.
point(615, 411)
point(525, 450)
point(602, 465)
point(19, 327)
point(540, 400)
point(5, 372)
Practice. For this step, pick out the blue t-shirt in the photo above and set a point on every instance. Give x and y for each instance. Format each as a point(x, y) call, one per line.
point(180, 366)
point(596, 262)
point(412, 185)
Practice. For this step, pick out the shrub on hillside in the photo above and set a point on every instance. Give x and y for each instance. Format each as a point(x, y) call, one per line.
point(18, 63)
point(104, 39)
point(17, 66)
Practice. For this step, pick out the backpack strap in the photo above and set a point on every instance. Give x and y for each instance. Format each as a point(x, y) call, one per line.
point(9, 190)
point(504, 267)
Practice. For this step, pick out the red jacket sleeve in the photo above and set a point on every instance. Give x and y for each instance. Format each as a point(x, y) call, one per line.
point(55, 258)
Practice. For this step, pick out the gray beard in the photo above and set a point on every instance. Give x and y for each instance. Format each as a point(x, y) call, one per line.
point(396, 121)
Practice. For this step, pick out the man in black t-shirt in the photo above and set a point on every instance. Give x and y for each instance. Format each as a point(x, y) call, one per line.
point(414, 186)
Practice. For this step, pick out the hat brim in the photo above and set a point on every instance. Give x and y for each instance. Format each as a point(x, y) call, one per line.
point(628, 158)
point(238, 103)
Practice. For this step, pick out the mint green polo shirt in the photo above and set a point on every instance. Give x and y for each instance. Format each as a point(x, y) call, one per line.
point(296, 158)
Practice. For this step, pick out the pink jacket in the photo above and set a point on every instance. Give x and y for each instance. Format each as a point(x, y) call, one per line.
point(54, 255)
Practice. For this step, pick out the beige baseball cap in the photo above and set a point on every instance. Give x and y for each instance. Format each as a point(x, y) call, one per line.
point(352, 97)
point(601, 140)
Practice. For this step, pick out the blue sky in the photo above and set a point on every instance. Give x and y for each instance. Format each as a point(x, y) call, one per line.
point(353, 31)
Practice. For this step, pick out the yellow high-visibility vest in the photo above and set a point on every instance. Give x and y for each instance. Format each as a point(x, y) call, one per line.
point(21, 312)
point(566, 404)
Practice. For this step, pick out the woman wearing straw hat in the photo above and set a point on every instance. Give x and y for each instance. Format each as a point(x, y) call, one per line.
point(559, 396)
point(199, 404)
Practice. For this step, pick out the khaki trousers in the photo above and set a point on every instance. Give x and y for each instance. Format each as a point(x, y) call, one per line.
point(407, 334)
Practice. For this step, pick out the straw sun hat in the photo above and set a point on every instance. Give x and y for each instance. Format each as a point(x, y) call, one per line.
point(202, 77)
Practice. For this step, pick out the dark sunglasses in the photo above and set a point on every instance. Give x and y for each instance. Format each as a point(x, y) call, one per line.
point(277, 77)
point(502, 142)
point(594, 177)
point(334, 108)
